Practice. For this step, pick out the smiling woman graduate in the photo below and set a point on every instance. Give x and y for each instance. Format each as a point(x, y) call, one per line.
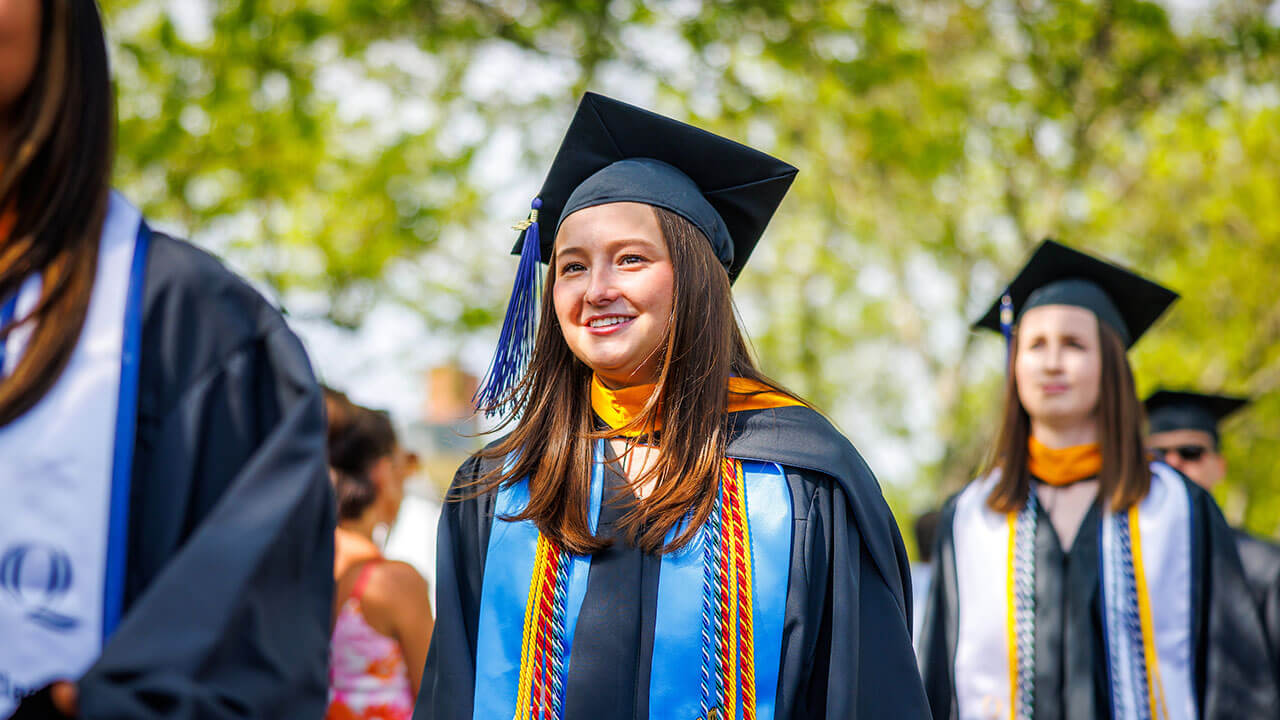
point(1076, 579)
point(166, 525)
point(665, 533)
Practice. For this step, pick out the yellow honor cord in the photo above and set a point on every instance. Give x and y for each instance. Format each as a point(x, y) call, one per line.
point(529, 643)
point(1155, 686)
point(1012, 622)
point(731, 677)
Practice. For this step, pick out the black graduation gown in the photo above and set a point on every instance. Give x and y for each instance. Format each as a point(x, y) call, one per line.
point(1232, 671)
point(1261, 561)
point(846, 650)
point(229, 575)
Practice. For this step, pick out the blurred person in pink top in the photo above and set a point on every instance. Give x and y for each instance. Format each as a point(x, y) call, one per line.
point(382, 622)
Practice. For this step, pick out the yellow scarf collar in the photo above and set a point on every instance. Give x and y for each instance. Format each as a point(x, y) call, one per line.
point(1063, 466)
point(619, 407)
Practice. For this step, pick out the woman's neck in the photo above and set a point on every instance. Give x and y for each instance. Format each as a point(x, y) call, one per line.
point(1063, 435)
point(623, 385)
point(362, 526)
point(351, 548)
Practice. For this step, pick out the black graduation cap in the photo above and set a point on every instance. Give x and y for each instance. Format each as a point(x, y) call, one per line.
point(615, 152)
point(1059, 275)
point(1183, 410)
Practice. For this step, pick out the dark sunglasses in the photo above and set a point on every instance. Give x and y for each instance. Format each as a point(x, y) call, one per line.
point(1190, 453)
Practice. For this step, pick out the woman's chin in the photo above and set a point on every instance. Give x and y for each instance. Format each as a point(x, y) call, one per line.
point(1062, 416)
point(620, 374)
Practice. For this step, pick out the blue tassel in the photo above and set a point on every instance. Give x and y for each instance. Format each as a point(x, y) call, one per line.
point(1006, 325)
point(515, 344)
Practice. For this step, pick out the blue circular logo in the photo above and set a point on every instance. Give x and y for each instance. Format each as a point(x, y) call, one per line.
point(37, 576)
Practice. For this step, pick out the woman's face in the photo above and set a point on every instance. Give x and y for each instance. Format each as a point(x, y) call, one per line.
point(614, 290)
point(1058, 365)
point(19, 49)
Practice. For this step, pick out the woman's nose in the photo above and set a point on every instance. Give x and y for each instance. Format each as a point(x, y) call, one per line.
point(1053, 358)
point(601, 289)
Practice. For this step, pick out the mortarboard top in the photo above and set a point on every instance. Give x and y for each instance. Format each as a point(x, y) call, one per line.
point(1182, 410)
point(1059, 275)
point(615, 152)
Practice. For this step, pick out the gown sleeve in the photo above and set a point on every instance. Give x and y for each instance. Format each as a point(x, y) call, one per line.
point(864, 665)
point(1261, 561)
point(1235, 669)
point(229, 567)
point(937, 636)
point(448, 680)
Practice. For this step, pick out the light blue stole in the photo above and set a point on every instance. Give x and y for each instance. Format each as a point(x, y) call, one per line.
point(675, 685)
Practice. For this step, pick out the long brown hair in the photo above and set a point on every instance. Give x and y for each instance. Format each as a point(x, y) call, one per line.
point(1124, 478)
point(55, 175)
point(552, 440)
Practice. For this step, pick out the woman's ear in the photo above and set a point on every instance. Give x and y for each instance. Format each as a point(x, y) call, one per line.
point(380, 474)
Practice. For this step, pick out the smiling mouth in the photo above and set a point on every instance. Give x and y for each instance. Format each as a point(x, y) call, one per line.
point(610, 321)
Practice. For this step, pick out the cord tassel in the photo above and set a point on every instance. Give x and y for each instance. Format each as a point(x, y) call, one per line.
point(515, 344)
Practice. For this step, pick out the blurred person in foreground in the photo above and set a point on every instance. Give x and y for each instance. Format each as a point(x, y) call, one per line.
point(1183, 432)
point(1076, 578)
point(166, 533)
point(382, 622)
point(665, 533)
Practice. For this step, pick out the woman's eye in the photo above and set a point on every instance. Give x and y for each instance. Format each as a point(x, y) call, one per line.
point(631, 259)
point(572, 267)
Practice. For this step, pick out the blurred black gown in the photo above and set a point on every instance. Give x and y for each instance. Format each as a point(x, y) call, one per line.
point(1261, 560)
point(846, 647)
point(229, 565)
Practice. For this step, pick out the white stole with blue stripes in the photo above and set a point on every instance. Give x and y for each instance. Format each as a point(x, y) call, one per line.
point(1146, 595)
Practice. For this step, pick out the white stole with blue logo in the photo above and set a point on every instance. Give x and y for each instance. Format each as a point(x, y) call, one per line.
point(64, 479)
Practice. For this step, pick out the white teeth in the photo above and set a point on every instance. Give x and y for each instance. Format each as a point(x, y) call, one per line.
point(605, 322)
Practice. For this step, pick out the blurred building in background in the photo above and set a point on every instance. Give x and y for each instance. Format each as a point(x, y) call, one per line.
point(441, 437)
point(445, 432)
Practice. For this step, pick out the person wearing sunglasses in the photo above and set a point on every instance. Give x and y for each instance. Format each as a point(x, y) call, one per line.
point(1183, 433)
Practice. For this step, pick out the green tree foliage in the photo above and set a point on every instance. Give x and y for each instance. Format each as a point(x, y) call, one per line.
point(338, 149)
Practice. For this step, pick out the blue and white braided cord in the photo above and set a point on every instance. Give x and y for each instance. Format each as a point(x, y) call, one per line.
point(719, 583)
point(1024, 614)
point(557, 635)
point(1133, 619)
point(1110, 615)
point(709, 543)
